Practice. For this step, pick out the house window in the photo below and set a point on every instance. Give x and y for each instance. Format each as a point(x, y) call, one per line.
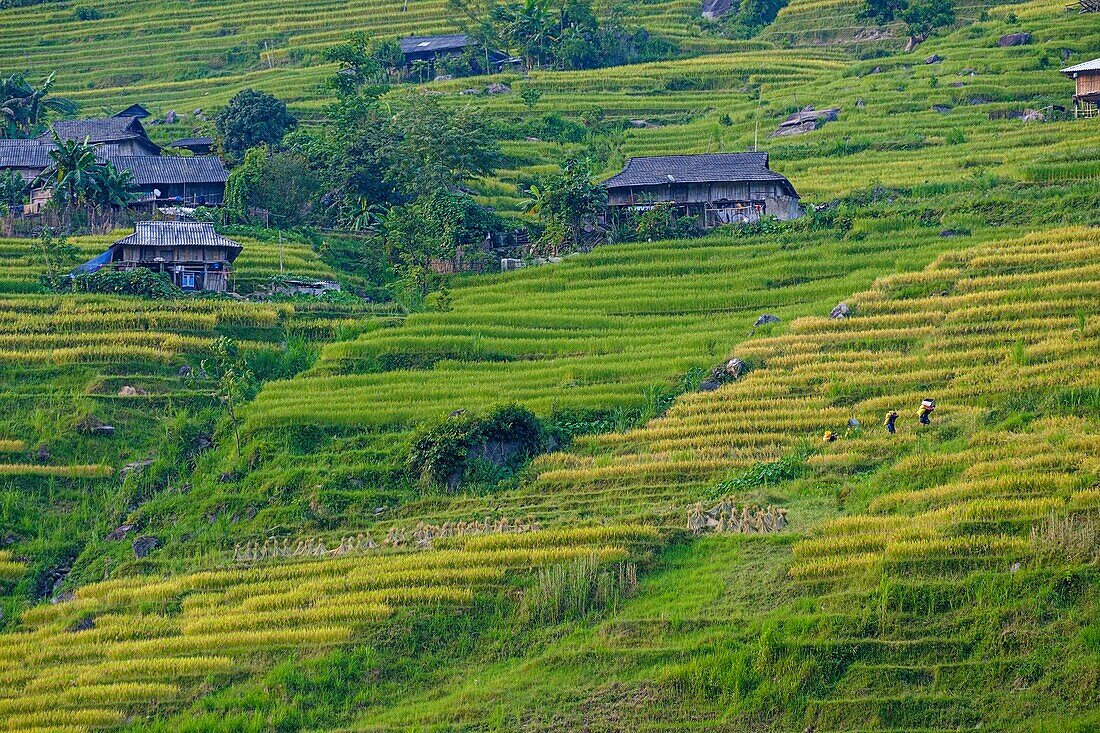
point(187, 280)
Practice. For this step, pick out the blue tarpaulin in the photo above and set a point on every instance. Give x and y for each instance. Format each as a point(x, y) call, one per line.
point(92, 265)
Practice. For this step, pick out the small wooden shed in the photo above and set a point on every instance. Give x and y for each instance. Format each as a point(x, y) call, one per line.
point(192, 253)
point(1086, 96)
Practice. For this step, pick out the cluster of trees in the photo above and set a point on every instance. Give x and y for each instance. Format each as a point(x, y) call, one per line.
point(561, 34)
point(921, 17)
point(393, 170)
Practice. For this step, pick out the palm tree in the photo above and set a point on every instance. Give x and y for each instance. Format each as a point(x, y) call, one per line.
point(23, 108)
point(112, 191)
point(72, 173)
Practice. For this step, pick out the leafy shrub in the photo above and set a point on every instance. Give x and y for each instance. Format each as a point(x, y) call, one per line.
point(139, 281)
point(83, 12)
point(450, 450)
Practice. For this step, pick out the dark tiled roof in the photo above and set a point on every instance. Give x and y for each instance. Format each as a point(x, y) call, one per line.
point(150, 170)
point(107, 130)
point(134, 110)
point(177, 234)
point(704, 168)
point(184, 142)
point(428, 44)
point(24, 154)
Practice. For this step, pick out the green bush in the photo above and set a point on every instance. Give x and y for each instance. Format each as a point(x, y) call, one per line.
point(140, 281)
point(447, 452)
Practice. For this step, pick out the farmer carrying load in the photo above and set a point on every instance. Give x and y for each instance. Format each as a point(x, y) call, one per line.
point(891, 416)
point(829, 436)
point(926, 407)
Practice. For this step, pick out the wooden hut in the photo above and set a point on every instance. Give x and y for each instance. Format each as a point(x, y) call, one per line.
point(1086, 97)
point(192, 253)
point(719, 188)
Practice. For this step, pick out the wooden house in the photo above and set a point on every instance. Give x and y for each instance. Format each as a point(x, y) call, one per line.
point(197, 180)
point(1086, 97)
point(719, 188)
point(192, 253)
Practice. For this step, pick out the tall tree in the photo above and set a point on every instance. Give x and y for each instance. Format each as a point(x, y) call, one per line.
point(252, 119)
point(427, 147)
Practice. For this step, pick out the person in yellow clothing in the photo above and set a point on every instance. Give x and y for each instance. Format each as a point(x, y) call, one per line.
point(829, 436)
point(891, 417)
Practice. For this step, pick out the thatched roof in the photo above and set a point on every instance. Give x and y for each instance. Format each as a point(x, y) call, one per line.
point(703, 168)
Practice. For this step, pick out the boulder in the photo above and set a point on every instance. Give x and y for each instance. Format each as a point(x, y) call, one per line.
point(715, 8)
point(184, 371)
point(144, 545)
point(854, 424)
point(806, 119)
point(443, 77)
point(171, 118)
point(470, 91)
point(941, 108)
point(498, 88)
point(119, 533)
point(1014, 39)
point(197, 112)
point(642, 124)
point(977, 100)
point(134, 468)
point(841, 311)
point(710, 385)
point(83, 624)
point(130, 391)
point(934, 59)
point(765, 319)
point(43, 454)
point(735, 368)
point(201, 443)
point(63, 598)
point(1032, 115)
point(859, 103)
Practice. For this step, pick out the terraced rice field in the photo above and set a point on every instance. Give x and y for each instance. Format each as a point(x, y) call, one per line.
point(922, 557)
point(123, 645)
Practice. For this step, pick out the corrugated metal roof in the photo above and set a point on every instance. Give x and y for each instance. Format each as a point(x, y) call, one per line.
point(176, 234)
point(1093, 65)
point(150, 170)
point(704, 168)
point(427, 44)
